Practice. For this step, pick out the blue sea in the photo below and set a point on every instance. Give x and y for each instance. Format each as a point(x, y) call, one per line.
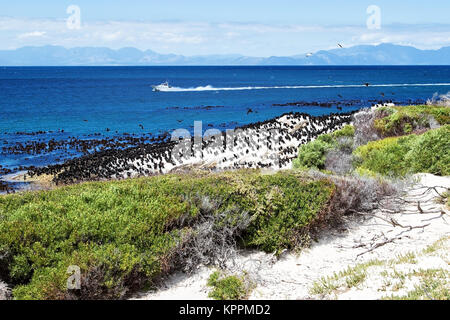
point(100, 102)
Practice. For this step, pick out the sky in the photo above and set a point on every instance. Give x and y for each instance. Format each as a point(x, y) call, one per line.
point(249, 27)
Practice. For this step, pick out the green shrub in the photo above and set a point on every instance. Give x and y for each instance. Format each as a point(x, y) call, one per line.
point(363, 172)
point(347, 131)
point(284, 210)
point(385, 156)
point(398, 156)
point(430, 152)
point(313, 154)
point(392, 156)
point(124, 234)
point(396, 121)
point(227, 287)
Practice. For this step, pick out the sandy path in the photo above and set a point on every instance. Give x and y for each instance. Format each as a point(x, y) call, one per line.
point(292, 276)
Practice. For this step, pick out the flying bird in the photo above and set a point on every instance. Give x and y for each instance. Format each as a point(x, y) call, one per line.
point(340, 45)
point(249, 111)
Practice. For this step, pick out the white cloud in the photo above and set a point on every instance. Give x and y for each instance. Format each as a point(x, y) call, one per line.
point(419, 38)
point(196, 38)
point(111, 36)
point(31, 34)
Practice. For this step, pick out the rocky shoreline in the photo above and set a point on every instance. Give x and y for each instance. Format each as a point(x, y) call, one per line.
point(270, 144)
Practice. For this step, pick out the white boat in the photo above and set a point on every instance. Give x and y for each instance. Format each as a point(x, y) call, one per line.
point(161, 87)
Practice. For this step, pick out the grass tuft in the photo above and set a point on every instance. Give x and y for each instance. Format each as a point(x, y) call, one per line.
point(227, 287)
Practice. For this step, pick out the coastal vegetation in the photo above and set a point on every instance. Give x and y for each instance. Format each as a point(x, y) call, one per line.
point(313, 154)
point(228, 287)
point(129, 234)
point(398, 156)
point(124, 235)
point(396, 141)
point(395, 121)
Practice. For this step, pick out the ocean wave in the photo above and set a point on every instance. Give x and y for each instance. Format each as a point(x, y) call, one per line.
point(211, 88)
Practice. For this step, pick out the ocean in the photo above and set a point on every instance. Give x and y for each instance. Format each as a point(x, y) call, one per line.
point(43, 109)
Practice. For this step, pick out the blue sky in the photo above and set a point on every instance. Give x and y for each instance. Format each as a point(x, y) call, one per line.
point(250, 27)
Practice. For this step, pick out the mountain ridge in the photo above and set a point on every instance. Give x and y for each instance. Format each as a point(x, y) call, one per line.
point(382, 54)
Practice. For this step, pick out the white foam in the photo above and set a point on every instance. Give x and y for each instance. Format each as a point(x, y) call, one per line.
point(211, 88)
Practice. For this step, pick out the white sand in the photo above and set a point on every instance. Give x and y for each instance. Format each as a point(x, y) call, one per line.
point(292, 276)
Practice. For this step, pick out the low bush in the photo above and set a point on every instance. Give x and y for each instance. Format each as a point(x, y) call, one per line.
point(397, 121)
point(354, 194)
point(127, 234)
point(346, 131)
point(386, 156)
point(398, 156)
point(401, 153)
point(227, 287)
point(339, 161)
point(285, 212)
point(430, 152)
point(365, 130)
point(313, 154)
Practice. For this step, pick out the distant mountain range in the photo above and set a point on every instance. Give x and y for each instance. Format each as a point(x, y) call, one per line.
point(383, 54)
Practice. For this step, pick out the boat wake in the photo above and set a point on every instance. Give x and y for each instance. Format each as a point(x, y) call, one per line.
point(211, 88)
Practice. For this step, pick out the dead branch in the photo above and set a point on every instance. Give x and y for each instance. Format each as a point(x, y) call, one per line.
point(377, 245)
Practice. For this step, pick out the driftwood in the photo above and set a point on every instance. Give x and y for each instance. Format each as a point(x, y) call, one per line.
point(390, 206)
